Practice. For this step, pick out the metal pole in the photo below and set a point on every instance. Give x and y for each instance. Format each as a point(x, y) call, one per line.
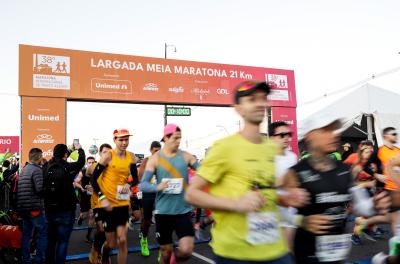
point(369, 126)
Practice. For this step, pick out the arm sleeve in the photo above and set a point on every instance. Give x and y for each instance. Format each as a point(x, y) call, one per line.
point(134, 173)
point(75, 167)
point(37, 179)
point(145, 185)
point(195, 165)
point(93, 180)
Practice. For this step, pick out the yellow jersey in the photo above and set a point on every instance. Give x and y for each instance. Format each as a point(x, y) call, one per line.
point(114, 175)
point(233, 167)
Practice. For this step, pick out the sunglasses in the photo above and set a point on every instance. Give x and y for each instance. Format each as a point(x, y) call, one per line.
point(282, 135)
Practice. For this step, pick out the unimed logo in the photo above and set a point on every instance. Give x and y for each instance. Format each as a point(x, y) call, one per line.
point(51, 118)
point(48, 153)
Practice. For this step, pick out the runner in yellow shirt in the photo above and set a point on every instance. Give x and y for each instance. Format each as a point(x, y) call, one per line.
point(239, 171)
point(113, 190)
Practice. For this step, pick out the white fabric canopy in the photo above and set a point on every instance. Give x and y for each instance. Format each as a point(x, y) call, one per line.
point(384, 105)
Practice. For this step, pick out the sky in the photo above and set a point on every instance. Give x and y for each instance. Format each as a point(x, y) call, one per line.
point(330, 45)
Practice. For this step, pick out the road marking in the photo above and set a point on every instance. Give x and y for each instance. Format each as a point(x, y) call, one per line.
point(203, 258)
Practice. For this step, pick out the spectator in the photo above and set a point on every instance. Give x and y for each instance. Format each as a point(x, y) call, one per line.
point(60, 200)
point(347, 150)
point(30, 204)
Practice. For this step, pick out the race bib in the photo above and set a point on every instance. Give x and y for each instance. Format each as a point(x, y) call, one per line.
point(263, 228)
point(139, 195)
point(122, 196)
point(332, 248)
point(175, 186)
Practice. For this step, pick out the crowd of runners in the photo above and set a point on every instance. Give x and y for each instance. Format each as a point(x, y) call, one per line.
point(264, 205)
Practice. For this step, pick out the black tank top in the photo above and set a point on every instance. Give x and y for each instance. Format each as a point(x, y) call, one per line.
point(330, 195)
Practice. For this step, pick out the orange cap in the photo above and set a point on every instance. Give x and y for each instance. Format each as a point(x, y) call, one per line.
point(121, 133)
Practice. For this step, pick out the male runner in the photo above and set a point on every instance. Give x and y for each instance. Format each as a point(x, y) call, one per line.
point(148, 202)
point(82, 182)
point(95, 256)
point(173, 213)
point(322, 237)
point(240, 174)
point(279, 132)
point(114, 191)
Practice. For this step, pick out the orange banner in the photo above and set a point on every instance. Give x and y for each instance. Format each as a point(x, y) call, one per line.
point(87, 76)
point(42, 125)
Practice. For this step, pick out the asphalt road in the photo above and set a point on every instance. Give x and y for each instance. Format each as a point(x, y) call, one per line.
point(79, 249)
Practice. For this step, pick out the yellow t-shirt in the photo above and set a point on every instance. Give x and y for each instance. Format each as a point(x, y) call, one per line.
point(116, 173)
point(232, 167)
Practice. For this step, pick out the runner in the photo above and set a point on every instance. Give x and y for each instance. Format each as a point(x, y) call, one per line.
point(280, 134)
point(114, 192)
point(82, 182)
point(322, 237)
point(95, 256)
point(172, 212)
point(148, 202)
point(239, 171)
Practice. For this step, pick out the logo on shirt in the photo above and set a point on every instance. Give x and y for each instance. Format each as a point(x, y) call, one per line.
point(309, 176)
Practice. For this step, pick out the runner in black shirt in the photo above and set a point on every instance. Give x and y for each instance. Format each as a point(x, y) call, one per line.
point(321, 237)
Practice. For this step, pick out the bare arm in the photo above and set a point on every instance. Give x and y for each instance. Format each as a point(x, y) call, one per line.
point(195, 195)
point(142, 168)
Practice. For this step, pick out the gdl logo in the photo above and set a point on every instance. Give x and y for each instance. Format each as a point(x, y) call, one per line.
point(222, 91)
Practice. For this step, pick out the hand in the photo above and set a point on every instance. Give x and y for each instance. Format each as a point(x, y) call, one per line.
point(251, 202)
point(382, 202)
point(89, 188)
point(125, 189)
point(317, 224)
point(106, 158)
point(162, 186)
point(380, 177)
point(296, 197)
point(106, 205)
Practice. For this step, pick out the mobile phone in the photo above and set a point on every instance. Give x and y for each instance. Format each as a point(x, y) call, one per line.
point(75, 144)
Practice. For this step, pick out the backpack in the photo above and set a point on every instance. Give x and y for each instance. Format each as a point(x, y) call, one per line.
point(55, 181)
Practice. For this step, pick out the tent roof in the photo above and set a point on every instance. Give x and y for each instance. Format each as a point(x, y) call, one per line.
point(367, 99)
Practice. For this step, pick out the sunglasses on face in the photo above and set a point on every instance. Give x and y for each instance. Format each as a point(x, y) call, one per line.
point(284, 134)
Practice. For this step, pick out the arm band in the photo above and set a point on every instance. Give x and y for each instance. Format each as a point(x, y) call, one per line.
point(134, 173)
point(96, 174)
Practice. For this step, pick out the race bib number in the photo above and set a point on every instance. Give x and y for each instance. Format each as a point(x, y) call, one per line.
point(122, 196)
point(263, 228)
point(139, 195)
point(332, 248)
point(175, 186)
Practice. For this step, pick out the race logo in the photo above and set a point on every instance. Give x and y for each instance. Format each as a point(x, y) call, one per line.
point(201, 92)
point(51, 72)
point(43, 139)
point(222, 91)
point(277, 81)
point(152, 87)
point(176, 90)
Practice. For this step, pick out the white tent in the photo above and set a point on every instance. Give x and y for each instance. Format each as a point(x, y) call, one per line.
point(368, 99)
